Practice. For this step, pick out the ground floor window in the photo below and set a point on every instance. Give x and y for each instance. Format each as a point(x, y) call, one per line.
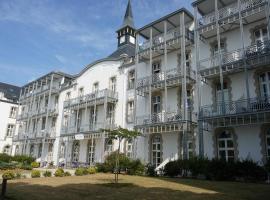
point(32, 150)
point(76, 151)
point(129, 148)
point(190, 149)
point(267, 139)
point(91, 151)
point(39, 150)
point(6, 149)
point(226, 146)
point(50, 152)
point(62, 150)
point(156, 150)
point(108, 145)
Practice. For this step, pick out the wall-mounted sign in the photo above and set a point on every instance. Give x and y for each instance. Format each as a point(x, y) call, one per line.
point(79, 137)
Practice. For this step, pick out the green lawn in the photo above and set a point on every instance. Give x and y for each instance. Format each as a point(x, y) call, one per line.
point(100, 186)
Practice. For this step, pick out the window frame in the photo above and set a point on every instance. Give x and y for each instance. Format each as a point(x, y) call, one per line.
point(226, 148)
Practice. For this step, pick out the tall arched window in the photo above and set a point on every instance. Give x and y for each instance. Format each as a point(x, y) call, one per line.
point(91, 152)
point(50, 152)
point(267, 139)
point(129, 148)
point(17, 150)
point(32, 150)
point(264, 80)
point(156, 150)
point(76, 151)
point(6, 149)
point(39, 150)
point(62, 150)
point(226, 146)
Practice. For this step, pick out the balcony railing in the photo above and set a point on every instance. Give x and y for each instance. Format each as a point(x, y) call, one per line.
point(162, 117)
point(230, 11)
point(171, 34)
point(91, 97)
point(259, 49)
point(171, 74)
point(260, 104)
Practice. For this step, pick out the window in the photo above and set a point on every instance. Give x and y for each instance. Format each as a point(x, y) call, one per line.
point(190, 149)
point(112, 84)
point(95, 87)
point(81, 92)
point(62, 150)
point(75, 151)
point(264, 80)
point(46, 101)
point(56, 99)
point(10, 130)
point(13, 112)
point(79, 120)
point(225, 146)
point(260, 35)
point(129, 148)
point(50, 153)
point(156, 150)
point(65, 121)
point(91, 152)
point(218, 93)
point(110, 114)
point(156, 102)
point(131, 79)
point(267, 139)
point(93, 117)
point(156, 71)
point(39, 150)
point(43, 123)
point(108, 145)
point(54, 122)
point(6, 149)
point(130, 111)
point(67, 96)
point(222, 48)
point(32, 150)
point(17, 149)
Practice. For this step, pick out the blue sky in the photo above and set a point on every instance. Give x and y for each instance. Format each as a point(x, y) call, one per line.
point(39, 36)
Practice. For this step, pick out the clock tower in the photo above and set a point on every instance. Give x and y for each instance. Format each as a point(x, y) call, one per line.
point(126, 34)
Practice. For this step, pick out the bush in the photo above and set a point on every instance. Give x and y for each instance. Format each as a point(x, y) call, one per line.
point(91, 170)
point(172, 169)
point(47, 173)
point(136, 168)
point(7, 166)
point(59, 172)
point(150, 170)
point(101, 167)
point(35, 174)
point(67, 174)
point(35, 164)
point(18, 175)
point(81, 171)
point(23, 159)
point(8, 175)
point(109, 163)
point(5, 157)
point(25, 166)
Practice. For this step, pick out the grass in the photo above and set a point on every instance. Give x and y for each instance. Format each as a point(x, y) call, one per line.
point(101, 186)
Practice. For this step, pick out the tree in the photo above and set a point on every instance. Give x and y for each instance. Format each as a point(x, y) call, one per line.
point(120, 134)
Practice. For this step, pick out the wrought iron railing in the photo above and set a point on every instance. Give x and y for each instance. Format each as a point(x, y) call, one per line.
point(259, 104)
point(162, 117)
point(91, 97)
point(230, 10)
point(259, 49)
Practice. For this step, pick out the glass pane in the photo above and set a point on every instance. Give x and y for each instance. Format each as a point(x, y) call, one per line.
point(229, 143)
point(230, 153)
point(268, 141)
point(222, 155)
point(221, 144)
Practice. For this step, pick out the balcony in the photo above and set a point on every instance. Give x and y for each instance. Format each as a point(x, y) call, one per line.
point(96, 97)
point(173, 78)
point(21, 136)
point(22, 116)
point(255, 55)
point(229, 14)
point(239, 112)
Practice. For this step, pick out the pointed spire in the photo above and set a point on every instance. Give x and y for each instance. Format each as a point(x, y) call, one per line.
point(128, 19)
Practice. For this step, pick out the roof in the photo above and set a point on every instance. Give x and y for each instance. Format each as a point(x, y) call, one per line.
point(128, 19)
point(11, 92)
point(127, 49)
point(208, 6)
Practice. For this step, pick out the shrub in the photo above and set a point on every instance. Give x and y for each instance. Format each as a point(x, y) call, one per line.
point(91, 170)
point(109, 163)
point(150, 170)
point(5, 157)
point(67, 174)
point(25, 167)
point(267, 166)
point(172, 169)
point(81, 171)
point(101, 167)
point(8, 175)
point(18, 175)
point(136, 168)
point(23, 159)
point(47, 173)
point(35, 164)
point(35, 174)
point(59, 172)
point(7, 166)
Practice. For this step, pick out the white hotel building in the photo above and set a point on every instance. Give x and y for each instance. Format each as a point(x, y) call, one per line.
point(193, 85)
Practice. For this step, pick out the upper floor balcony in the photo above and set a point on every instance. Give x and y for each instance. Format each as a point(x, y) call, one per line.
point(234, 61)
point(98, 97)
point(173, 78)
point(239, 112)
point(168, 31)
point(227, 14)
point(40, 90)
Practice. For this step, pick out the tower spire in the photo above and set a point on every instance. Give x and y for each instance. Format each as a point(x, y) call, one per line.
point(128, 19)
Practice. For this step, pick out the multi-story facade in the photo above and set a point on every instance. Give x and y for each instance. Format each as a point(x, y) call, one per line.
point(192, 85)
point(233, 57)
point(9, 97)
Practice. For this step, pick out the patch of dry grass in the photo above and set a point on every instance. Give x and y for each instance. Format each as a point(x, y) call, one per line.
point(100, 186)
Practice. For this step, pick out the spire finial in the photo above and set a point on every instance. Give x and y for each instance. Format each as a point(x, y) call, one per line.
point(128, 19)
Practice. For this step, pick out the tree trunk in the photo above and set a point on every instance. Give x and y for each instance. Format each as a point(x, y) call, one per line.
point(117, 162)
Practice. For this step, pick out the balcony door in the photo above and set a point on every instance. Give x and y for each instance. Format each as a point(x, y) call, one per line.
point(156, 72)
point(156, 109)
point(264, 80)
point(218, 97)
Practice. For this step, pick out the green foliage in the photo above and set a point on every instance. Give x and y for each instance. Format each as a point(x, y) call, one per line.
point(81, 171)
point(8, 175)
point(122, 133)
point(91, 170)
point(35, 174)
point(25, 167)
point(18, 175)
point(67, 174)
point(135, 167)
point(23, 159)
point(7, 166)
point(59, 172)
point(109, 164)
point(150, 170)
point(35, 164)
point(267, 166)
point(5, 158)
point(47, 173)
point(172, 169)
